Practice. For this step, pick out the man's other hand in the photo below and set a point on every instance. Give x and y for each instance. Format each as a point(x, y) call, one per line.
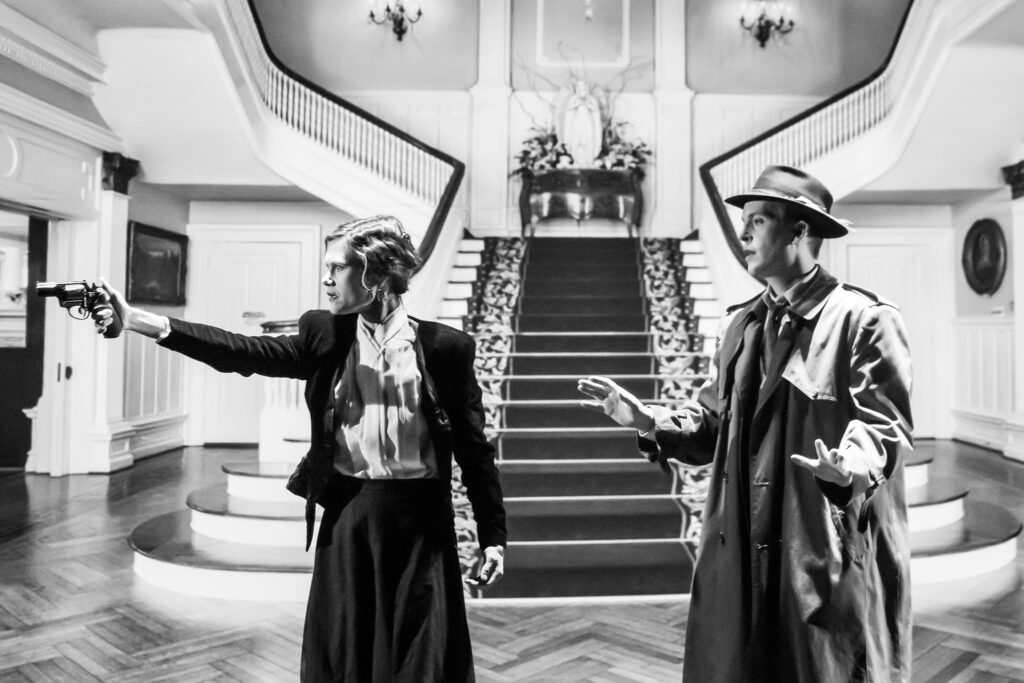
point(616, 403)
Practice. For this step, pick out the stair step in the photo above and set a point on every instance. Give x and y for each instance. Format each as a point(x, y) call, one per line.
point(938, 503)
point(697, 275)
point(582, 287)
point(454, 308)
point(639, 342)
point(916, 469)
point(462, 274)
point(620, 364)
point(595, 477)
point(609, 568)
point(613, 443)
point(694, 259)
point(560, 271)
point(561, 245)
point(984, 540)
point(218, 515)
point(458, 290)
point(260, 481)
point(581, 305)
point(469, 244)
point(707, 308)
point(581, 323)
point(554, 387)
point(168, 554)
point(560, 416)
point(456, 323)
point(467, 258)
point(691, 246)
point(593, 518)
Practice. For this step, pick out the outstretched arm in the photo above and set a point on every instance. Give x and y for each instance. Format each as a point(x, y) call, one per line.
point(222, 350)
point(686, 435)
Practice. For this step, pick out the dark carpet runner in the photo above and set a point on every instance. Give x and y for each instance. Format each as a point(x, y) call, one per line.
point(587, 515)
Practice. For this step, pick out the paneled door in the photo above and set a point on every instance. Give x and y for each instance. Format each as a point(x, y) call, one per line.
point(244, 276)
point(913, 268)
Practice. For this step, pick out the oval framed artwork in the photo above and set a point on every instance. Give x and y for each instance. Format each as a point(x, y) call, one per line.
point(984, 257)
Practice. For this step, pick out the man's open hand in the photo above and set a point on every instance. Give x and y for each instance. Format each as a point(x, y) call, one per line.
point(616, 403)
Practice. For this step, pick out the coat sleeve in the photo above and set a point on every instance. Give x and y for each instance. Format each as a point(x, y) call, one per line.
point(880, 378)
point(273, 356)
point(690, 433)
point(473, 452)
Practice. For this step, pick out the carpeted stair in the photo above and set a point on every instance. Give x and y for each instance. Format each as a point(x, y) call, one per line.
point(587, 515)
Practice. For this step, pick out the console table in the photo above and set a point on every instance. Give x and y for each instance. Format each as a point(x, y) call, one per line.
point(582, 193)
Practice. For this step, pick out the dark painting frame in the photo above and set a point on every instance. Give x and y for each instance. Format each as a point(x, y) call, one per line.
point(984, 256)
point(157, 265)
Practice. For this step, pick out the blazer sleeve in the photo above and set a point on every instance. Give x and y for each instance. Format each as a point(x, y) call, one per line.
point(473, 452)
point(272, 356)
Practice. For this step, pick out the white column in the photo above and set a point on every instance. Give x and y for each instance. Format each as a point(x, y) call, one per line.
point(1015, 424)
point(673, 215)
point(80, 416)
point(489, 153)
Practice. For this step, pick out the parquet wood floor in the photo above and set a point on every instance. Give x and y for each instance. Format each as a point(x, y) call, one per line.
point(72, 610)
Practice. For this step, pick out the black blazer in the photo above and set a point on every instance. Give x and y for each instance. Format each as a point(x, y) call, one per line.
point(450, 399)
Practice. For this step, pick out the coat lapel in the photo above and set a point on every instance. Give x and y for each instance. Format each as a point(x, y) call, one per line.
point(739, 335)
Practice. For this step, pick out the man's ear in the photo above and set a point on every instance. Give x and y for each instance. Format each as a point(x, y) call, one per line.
point(801, 229)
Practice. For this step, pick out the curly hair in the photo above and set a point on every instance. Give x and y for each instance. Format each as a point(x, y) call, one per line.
point(384, 248)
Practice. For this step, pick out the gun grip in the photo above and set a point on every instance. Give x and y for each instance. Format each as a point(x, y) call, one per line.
point(116, 325)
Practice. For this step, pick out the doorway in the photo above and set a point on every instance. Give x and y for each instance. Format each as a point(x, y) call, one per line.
point(22, 264)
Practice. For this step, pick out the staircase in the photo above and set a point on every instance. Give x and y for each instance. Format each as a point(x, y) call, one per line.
point(587, 515)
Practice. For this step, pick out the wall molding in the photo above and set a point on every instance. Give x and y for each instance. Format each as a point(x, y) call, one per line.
point(983, 392)
point(621, 61)
point(33, 110)
point(156, 435)
point(45, 42)
point(44, 66)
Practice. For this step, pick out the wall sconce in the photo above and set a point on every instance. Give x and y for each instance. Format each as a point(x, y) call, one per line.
point(762, 17)
point(400, 13)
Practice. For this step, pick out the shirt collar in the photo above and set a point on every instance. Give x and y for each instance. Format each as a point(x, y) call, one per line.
point(807, 296)
point(395, 327)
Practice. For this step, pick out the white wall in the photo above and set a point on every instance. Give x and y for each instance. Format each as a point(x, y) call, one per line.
point(271, 213)
point(905, 254)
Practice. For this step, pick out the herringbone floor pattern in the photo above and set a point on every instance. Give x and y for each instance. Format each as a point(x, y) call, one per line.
point(72, 610)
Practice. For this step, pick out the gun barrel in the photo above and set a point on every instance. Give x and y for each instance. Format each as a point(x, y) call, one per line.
point(47, 288)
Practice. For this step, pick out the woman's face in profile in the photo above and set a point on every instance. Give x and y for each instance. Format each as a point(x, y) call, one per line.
point(343, 279)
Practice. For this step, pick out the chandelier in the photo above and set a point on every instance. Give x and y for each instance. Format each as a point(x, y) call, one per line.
point(764, 17)
point(399, 13)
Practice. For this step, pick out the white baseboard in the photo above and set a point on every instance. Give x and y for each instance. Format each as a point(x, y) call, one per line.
point(156, 435)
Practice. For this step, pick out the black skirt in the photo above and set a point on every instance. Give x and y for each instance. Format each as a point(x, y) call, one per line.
point(386, 603)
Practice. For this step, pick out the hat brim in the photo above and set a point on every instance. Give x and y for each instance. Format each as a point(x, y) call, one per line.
point(826, 226)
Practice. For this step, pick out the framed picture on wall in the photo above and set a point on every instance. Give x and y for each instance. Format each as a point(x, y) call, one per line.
point(984, 257)
point(157, 260)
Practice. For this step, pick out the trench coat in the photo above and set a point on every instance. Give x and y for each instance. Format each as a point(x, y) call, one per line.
point(451, 399)
point(797, 579)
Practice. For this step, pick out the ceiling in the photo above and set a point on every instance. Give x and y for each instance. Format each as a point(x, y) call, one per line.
point(78, 21)
point(164, 96)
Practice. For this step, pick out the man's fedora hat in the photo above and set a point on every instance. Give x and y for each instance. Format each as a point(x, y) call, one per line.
point(797, 188)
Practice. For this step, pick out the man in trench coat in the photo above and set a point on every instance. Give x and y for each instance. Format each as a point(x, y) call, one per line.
point(802, 571)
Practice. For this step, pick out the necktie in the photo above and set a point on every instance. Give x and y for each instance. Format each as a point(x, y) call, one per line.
point(773, 325)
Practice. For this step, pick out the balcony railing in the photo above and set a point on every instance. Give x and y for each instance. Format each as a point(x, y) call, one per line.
point(344, 129)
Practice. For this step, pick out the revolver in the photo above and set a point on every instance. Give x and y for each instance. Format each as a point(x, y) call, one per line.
point(81, 298)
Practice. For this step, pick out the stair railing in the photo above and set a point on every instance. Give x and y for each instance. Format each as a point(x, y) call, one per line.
point(814, 133)
point(346, 130)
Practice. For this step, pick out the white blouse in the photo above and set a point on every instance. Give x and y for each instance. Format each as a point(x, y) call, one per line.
point(382, 433)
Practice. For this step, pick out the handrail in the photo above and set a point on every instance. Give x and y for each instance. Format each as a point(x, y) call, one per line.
point(813, 133)
point(346, 129)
